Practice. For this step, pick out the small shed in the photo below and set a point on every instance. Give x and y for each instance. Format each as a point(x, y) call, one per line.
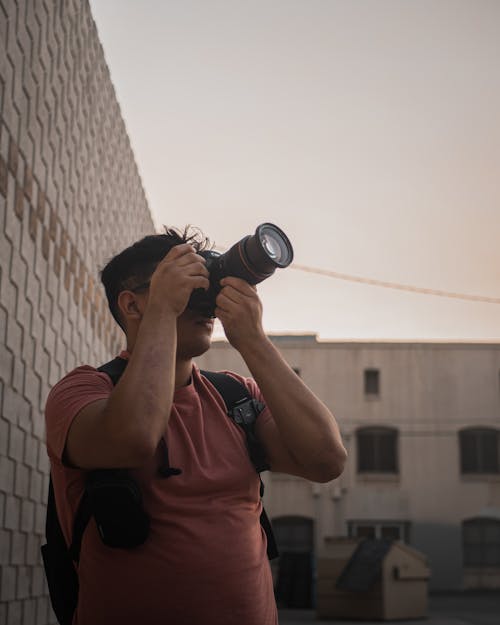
point(371, 579)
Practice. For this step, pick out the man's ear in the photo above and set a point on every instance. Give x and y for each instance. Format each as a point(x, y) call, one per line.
point(129, 306)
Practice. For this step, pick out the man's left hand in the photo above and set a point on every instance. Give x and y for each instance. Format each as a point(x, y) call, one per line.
point(240, 311)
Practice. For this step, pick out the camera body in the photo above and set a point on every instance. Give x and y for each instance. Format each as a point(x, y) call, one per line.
point(253, 259)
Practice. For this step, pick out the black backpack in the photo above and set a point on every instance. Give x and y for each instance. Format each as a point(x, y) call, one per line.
point(114, 489)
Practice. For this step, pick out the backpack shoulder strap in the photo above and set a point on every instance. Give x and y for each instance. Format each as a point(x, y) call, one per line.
point(243, 410)
point(82, 517)
point(231, 391)
point(114, 369)
point(62, 580)
point(53, 530)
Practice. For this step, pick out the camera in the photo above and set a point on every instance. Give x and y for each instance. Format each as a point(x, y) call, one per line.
point(253, 259)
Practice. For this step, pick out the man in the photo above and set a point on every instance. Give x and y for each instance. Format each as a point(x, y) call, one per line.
point(204, 561)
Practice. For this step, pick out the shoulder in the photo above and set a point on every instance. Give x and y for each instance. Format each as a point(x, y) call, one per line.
point(82, 384)
point(79, 379)
point(77, 389)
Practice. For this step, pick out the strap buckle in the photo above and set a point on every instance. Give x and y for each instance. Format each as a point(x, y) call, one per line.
point(245, 411)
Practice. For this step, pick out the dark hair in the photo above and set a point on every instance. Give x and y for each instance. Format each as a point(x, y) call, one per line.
point(135, 264)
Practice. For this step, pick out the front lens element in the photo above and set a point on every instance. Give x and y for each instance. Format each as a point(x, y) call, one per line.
point(271, 246)
point(276, 244)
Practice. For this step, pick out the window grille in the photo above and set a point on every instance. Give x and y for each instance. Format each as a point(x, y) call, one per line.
point(479, 450)
point(377, 450)
point(481, 542)
point(389, 530)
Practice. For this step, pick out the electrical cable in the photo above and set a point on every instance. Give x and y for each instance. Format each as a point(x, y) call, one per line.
point(387, 285)
point(395, 285)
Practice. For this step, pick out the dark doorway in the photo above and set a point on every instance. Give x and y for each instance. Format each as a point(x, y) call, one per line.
point(295, 537)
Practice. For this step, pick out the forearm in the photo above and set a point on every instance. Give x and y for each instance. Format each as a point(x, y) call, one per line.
point(307, 428)
point(304, 438)
point(140, 405)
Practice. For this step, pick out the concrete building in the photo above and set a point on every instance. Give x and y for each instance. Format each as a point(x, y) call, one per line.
point(421, 422)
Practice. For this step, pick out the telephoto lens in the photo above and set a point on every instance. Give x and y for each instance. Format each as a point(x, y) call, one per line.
point(253, 259)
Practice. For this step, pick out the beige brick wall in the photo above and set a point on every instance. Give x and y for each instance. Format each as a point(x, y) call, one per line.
point(70, 197)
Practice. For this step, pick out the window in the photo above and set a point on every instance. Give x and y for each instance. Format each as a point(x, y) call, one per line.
point(479, 450)
point(388, 530)
point(377, 450)
point(294, 533)
point(481, 542)
point(372, 382)
point(293, 570)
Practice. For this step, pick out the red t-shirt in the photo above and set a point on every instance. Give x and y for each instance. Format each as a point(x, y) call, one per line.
point(205, 561)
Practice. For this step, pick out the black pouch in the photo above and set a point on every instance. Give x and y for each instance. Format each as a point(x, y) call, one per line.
point(117, 507)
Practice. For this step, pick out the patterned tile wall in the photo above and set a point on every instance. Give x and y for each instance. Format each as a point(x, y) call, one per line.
point(70, 198)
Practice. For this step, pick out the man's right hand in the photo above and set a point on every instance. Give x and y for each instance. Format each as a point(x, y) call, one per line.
point(124, 429)
point(175, 277)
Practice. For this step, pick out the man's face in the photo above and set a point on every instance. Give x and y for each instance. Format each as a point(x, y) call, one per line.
point(194, 334)
point(194, 330)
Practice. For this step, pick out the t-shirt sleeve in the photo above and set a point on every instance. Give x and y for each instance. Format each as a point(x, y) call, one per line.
point(78, 389)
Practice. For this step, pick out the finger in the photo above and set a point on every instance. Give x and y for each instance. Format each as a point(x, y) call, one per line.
point(198, 270)
point(223, 302)
point(233, 295)
point(199, 282)
point(247, 294)
point(204, 283)
point(240, 285)
point(193, 268)
point(227, 304)
point(221, 314)
point(180, 250)
point(189, 257)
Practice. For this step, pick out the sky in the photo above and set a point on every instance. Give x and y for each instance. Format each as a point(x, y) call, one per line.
point(368, 130)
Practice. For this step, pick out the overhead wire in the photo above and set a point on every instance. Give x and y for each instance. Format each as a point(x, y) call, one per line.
point(395, 285)
point(409, 288)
